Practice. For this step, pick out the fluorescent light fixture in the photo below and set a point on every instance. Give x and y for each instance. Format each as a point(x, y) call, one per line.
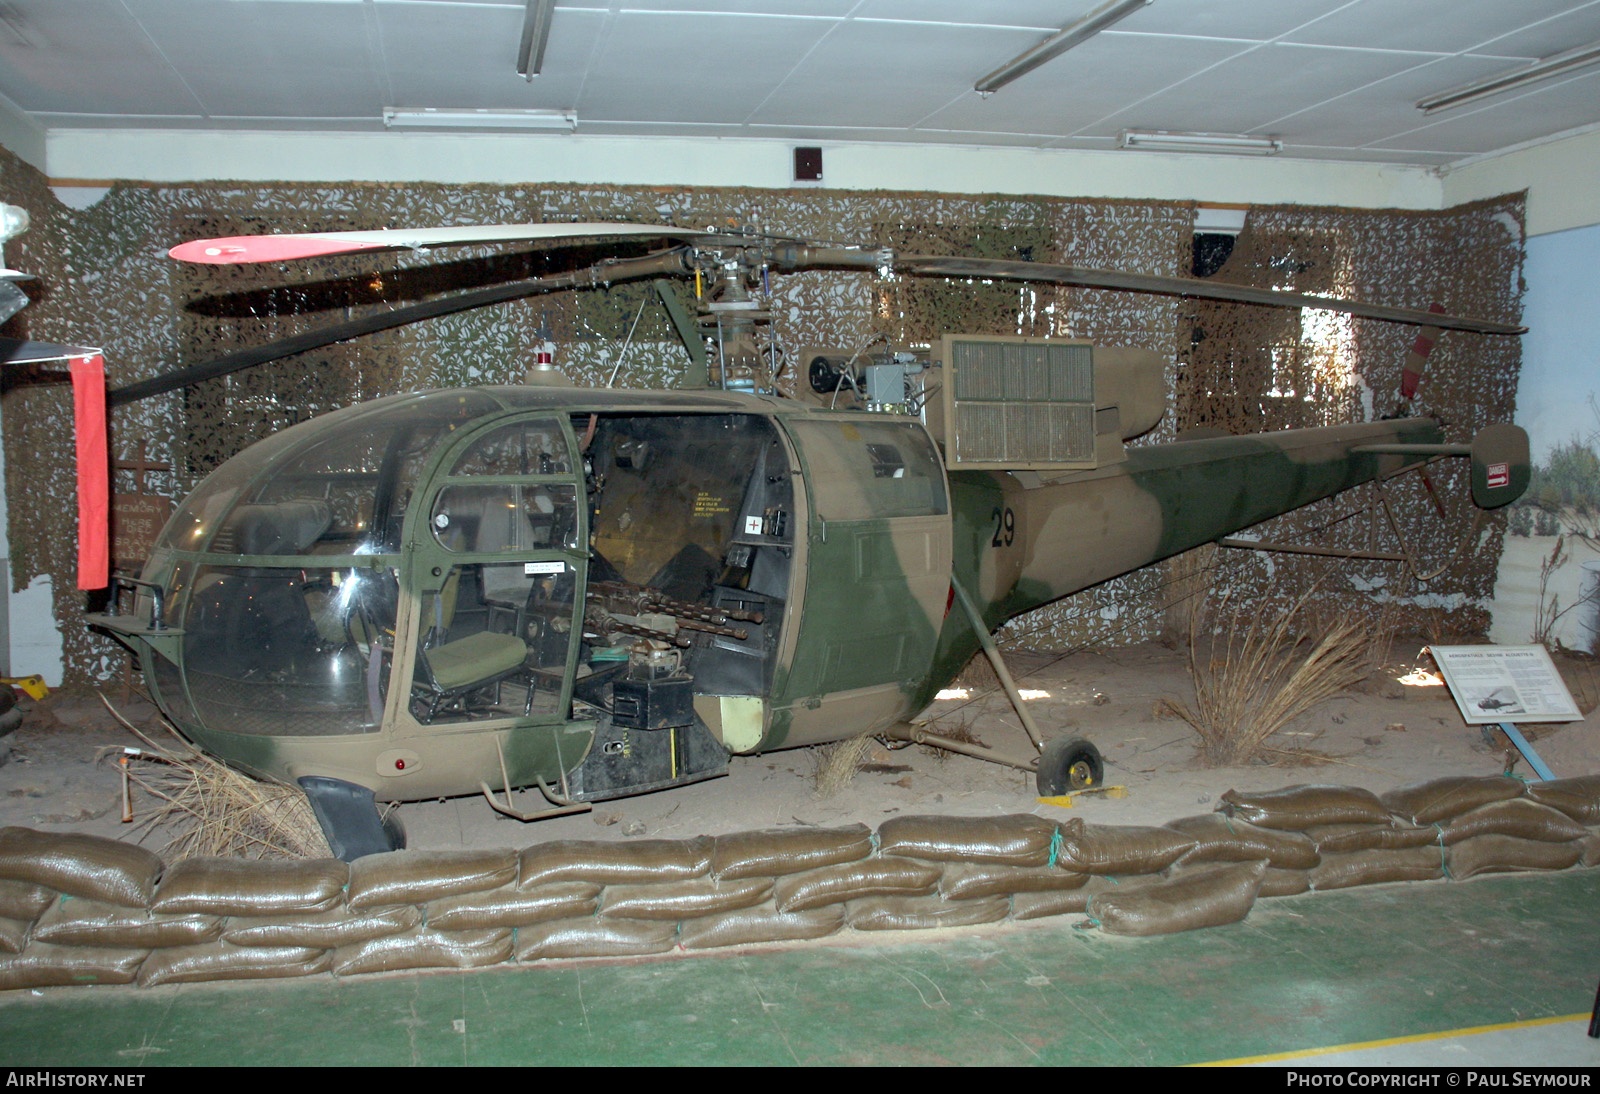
point(1058, 43)
point(1162, 140)
point(535, 36)
point(429, 118)
point(1548, 68)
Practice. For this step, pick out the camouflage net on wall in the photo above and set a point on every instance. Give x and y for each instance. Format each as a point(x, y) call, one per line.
point(104, 280)
point(78, 909)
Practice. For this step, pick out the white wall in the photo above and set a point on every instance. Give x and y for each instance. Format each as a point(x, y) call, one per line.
point(517, 158)
point(1562, 178)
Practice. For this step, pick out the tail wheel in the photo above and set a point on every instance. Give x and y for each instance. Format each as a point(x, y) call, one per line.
point(1069, 763)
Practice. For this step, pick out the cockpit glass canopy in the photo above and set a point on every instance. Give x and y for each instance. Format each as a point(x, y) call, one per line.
point(339, 486)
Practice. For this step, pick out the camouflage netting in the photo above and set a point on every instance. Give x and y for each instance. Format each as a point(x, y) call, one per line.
point(85, 910)
point(1246, 369)
point(104, 280)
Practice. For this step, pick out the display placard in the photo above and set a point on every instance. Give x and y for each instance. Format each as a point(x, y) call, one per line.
point(1505, 684)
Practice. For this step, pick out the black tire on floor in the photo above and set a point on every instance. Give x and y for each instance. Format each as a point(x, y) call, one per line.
point(395, 829)
point(10, 713)
point(1069, 763)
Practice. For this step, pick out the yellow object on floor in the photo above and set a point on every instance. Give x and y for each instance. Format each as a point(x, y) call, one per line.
point(33, 685)
point(1065, 800)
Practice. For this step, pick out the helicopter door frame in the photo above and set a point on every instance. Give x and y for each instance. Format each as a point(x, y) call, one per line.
point(428, 564)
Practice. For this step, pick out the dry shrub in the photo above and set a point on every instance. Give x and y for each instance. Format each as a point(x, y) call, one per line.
point(213, 811)
point(978, 675)
point(1263, 677)
point(838, 763)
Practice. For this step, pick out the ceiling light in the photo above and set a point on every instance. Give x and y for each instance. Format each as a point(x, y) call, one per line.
point(1054, 46)
point(430, 118)
point(1161, 140)
point(1557, 64)
point(535, 36)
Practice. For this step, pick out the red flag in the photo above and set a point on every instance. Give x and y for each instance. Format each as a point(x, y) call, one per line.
point(94, 472)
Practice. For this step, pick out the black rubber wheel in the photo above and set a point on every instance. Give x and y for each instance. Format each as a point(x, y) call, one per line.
point(1069, 763)
point(394, 828)
point(10, 713)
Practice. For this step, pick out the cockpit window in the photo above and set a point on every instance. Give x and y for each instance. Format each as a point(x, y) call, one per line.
point(512, 517)
point(522, 448)
point(866, 470)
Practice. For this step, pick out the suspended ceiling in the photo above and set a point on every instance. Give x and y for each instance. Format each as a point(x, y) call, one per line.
point(1331, 79)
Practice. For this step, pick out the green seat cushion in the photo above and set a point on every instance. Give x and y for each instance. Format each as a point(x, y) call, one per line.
point(477, 657)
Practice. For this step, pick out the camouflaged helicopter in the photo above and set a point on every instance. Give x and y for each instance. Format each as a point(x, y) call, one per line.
point(602, 592)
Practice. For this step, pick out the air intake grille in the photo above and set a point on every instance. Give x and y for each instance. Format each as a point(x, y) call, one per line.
point(1021, 403)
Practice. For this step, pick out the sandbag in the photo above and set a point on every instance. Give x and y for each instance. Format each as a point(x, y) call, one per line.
point(425, 948)
point(1207, 897)
point(222, 961)
point(752, 926)
point(1226, 839)
point(1119, 849)
point(853, 881)
point(13, 935)
point(1494, 854)
point(922, 913)
point(1519, 817)
point(24, 901)
point(324, 931)
point(1578, 798)
point(72, 922)
point(1277, 882)
point(514, 907)
point(970, 882)
point(1342, 839)
point(1297, 808)
point(569, 938)
point(1440, 799)
point(774, 852)
point(1590, 847)
point(677, 900)
point(415, 877)
point(605, 862)
point(1041, 905)
point(229, 886)
point(1375, 867)
point(106, 870)
point(42, 965)
point(1019, 840)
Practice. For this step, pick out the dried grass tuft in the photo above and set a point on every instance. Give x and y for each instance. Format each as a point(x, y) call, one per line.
point(978, 675)
point(211, 810)
point(1263, 677)
point(838, 763)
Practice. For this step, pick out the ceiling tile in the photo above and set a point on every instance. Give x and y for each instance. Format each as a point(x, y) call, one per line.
point(1247, 91)
point(467, 58)
point(1536, 112)
point(890, 74)
point(87, 57)
point(1084, 86)
point(1436, 26)
point(271, 58)
point(718, 68)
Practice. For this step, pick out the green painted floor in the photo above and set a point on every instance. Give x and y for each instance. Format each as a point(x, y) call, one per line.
point(1303, 972)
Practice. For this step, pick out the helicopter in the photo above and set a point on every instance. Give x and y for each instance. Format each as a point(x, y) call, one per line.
point(603, 592)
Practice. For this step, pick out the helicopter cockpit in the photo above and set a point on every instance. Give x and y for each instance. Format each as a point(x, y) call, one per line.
point(506, 562)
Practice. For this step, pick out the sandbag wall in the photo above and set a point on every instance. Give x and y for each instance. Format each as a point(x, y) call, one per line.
point(79, 909)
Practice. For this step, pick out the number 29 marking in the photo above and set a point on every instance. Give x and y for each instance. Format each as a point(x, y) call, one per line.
point(1005, 528)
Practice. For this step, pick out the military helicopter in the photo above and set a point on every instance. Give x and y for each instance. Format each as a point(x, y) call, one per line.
point(603, 592)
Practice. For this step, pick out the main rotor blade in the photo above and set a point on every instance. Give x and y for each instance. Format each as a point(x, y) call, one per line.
point(1007, 270)
point(282, 248)
point(664, 263)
